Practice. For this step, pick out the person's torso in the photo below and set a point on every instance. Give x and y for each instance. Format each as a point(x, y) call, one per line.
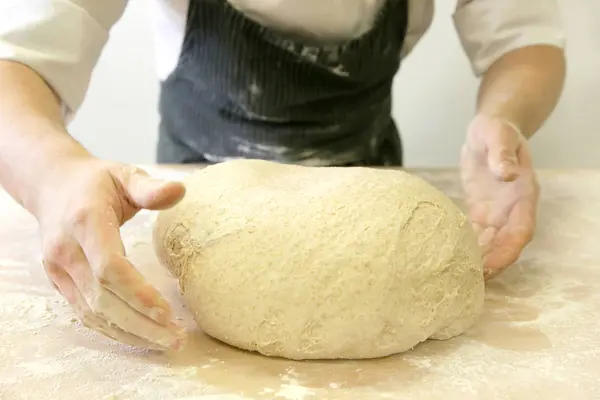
point(265, 79)
point(170, 17)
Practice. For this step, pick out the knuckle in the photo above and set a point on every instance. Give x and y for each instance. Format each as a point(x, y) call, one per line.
point(53, 270)
point(125, 171)
point(504, 152)
point(103, 272)
point(56, 251)
point(108, 270)
point(133, 170)
point(78, 218)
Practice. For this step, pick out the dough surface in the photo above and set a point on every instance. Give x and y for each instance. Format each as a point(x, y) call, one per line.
point(321, 263)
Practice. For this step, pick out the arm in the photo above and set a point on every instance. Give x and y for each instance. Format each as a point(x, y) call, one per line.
point(516, 46)
point(523, 87)
point(32, 132)
point(47, 53)
point(518, 49)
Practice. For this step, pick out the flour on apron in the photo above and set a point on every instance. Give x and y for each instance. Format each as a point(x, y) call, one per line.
point(243, 89)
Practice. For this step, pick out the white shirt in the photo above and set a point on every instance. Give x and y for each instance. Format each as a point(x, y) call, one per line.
point(62, 39)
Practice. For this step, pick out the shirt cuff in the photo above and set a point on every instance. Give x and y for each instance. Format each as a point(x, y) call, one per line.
point(59, 40)
point(488, 29)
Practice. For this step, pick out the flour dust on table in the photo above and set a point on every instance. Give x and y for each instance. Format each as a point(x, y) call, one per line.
point(321, 263)
point(537, 336)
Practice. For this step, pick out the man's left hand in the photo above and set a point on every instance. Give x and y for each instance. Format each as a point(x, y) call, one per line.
point(501, 190)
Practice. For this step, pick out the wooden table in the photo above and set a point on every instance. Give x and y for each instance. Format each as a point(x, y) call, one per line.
point(539, 337)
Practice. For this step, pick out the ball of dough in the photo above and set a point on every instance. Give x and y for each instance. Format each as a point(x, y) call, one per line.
point(321, 262)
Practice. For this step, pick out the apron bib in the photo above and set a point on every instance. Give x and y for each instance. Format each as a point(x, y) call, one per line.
point(241, 90)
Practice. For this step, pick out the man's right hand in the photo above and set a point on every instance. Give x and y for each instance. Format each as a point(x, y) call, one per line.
point(80, 203)
point(80, 206)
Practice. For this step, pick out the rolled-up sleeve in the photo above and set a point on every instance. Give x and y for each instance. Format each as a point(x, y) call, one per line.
point(488, 29)
point(59, 39)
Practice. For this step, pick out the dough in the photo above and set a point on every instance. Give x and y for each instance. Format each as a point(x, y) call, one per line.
point(321, 262)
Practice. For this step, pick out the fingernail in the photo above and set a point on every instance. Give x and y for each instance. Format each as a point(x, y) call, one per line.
point(508, 164)
point(505, 166)
point(489, 274)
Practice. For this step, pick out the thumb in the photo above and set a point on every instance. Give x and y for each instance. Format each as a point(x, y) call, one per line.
point(149, 193)
point(502, 149)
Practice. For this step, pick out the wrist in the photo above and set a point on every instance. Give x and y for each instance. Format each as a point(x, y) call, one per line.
point(31, 162)
point(56, 167)
point(33, 137)
point(502, 120)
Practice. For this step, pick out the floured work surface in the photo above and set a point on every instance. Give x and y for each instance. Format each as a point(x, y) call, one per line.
point(539, 336)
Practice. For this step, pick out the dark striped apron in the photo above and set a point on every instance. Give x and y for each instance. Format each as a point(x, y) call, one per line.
point(241, 90)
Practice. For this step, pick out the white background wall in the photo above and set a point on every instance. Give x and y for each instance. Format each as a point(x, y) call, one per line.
point(434, 95)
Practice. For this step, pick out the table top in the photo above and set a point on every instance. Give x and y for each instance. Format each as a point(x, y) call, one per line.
point(537, 338)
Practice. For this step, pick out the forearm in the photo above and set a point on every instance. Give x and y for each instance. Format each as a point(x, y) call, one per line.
point(523, 87)
point(32, 133)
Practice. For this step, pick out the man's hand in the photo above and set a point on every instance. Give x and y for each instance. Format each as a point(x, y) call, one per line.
point(80, 207)
point(501, 190)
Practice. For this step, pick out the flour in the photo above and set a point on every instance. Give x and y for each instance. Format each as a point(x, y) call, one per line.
point(291, 389)
point(26, 313)
point(538, 337)
point(7, 262)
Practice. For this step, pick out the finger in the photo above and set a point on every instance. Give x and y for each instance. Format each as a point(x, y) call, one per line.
point(49, 275)
point(511, 238)
point(147, 192)
point(476, 134)
point(478, 228)
point(505, 250)
point(491, 273)
point(101, 325)
point(116, 291)
point(62, 281)
point(111, 308)
point(502, 150)
point(486, 238)
point(499, 258)
point(100, 239)
point(525, 160)
point(478, 212)
point(106, 305)
point(113, 332)
point(68, 288)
